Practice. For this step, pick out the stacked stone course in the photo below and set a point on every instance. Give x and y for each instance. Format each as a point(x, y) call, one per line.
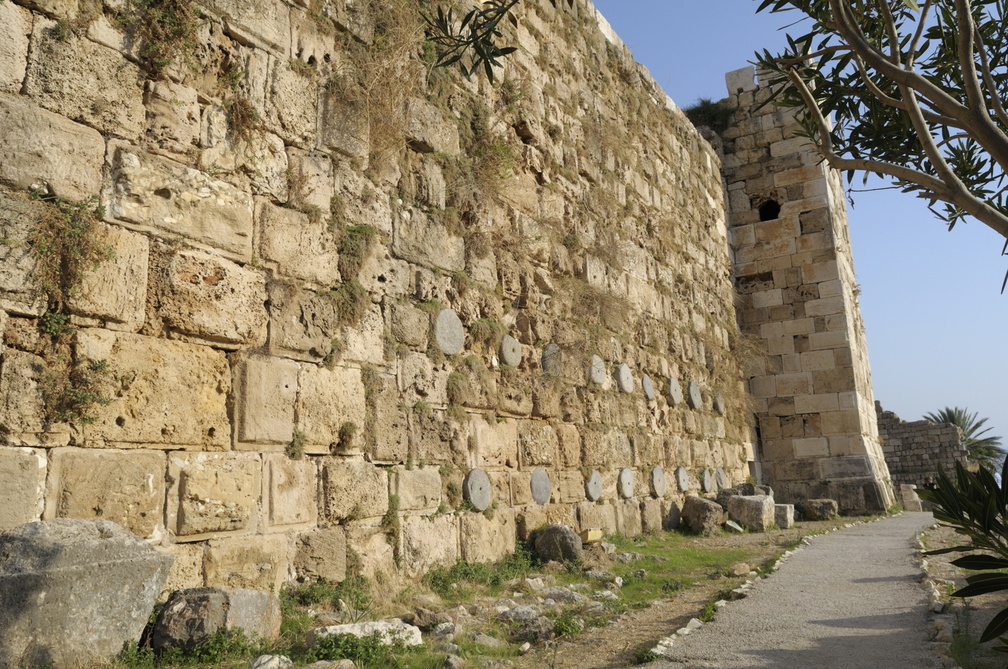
point(916, 450)
point(263, 421)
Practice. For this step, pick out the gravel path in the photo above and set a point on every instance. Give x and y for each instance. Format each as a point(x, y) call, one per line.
point(850, 599)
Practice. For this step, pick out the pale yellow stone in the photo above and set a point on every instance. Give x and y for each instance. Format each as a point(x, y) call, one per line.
point(22, 484)
point(289, 491)
point(429, 543)
point(252, 563)
point(214, 492)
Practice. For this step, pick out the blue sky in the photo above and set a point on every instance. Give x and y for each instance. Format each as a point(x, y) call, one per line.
point(933, 311)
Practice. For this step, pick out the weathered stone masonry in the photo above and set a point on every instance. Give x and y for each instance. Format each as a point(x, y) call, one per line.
point(323, 324)
point(915, 450)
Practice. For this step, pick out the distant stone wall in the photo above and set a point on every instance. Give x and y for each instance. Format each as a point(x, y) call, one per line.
point(342, 280)
point(918, 449)
point(794, 270)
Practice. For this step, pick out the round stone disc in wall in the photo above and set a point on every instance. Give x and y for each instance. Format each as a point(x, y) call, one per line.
point(721, 479)
point(674, 391)
point(624, 377)
point(597, 371)
point(682, 479)
point(476, 489)
point(625, 483)
point(448, 332)
point(593, 486)
point(719, 406)
point(510, 351)
point(541, 487)
point(648, 387)
point(693, 397)
point(552, 359)
point(658, 481)
point(707, 481)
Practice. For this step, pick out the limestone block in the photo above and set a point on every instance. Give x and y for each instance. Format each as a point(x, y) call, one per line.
point(343, 121)
point(39, 147)
point(15, 27)
point(22, 415)
point(352, 489)
point(485, 539)
point(784, 516)
point(390, 431)
point(173, 117)
point(569, 444)
point(164, 393)
point(420, 381)
point(312, 181)
point(213, 492)
point(22, 486)
point(365, 341)
point(496, 443)
point(265, 395)
point(429, 543)
point(537, 443)
point(651, 515)
point(436, 439)
point(570, 487)
point(328, 398)
point(371, 545)
point(291, 108)
point(126, 487)
point(427, 130)
point(289, 491)
point(252, 563)
point(260, 157)
point(263, 24)
point(213, 299)
point(301, 247)
point(421, 240)
point(18, 293)
point(702, 515)
point(628, 517)
point(302, 323)
point(85, 81)
point(115, 292)
point(159, 196)
point(753, 512)
point(418, 489)
point(192, 617)
point(321, 554)
point(520, 488)
point(820, 509)
point(408, 324)
point(597, 516)
point(610, 447)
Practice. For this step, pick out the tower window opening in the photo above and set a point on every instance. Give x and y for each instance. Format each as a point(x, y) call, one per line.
point(769, 210)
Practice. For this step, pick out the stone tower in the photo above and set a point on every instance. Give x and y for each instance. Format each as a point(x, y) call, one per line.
point(794, 271)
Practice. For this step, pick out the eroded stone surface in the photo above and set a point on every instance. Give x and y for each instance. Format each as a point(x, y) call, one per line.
point(15, 28)
point(429, 543)
point(551, 360)
point(265, 395)
point(328, 399)
point(290, 490)
point(22, 484)
point(510, 351)
point(214, 492)
point(115, 291)
point(352, 489)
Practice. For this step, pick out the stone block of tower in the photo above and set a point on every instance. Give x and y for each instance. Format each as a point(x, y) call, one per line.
point(794, 272)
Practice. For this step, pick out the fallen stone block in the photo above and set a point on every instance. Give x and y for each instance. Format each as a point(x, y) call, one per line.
point(754, 512)
point(911, 501)
point(191, 617)
point(557, 542)
point(784, 515)
point(386, 631)
point(72, 592)
point(820, 509)
point(702, 515)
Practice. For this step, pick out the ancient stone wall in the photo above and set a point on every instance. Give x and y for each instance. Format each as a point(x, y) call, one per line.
point(332, 281)
point(918, 449)
point(795, 275)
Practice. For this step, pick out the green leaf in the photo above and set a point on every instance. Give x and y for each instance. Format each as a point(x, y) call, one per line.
point(996, 627)
point(980, 562)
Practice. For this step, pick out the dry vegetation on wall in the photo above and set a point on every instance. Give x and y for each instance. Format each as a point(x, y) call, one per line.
point(302, 205)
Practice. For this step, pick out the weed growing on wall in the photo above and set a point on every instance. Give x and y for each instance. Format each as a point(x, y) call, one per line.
point(165, 29)
point(354, 248)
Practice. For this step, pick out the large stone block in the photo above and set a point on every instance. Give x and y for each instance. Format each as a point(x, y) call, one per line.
point(702, 515)
point(260, 157)
point(115, 292)
point(157, 195)
point(429, 543)
point(537, 443)
point(264, 399)
point(263, 24)
point(427, 130)
point(164, 393)
point(753, 512)
point(15, 28)
point(210, 298)
point(192, 617)
point(343, 122)
point(302, 247)
point(213, 492)
point(289, 491)
point(186, 571)
point(371, 545)
point(597, 516)
point(352, 489)
point(85, 81)
point(426, 242)
point(22, 486)
point(628, 517)
point(253, 563)
point(39, 147)
point(291, 109)
point(418, 489)
point(173, 117)
point(496, 443)
point(57, 573)
point(18, 292)
point(321, 554)
point(328, 399)
point(485, 539)
point(125, 487)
